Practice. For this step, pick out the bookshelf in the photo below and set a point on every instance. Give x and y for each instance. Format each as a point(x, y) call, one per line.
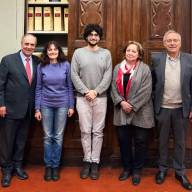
point(47, 20)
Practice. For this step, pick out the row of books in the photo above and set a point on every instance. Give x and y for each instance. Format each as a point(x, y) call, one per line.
point(48, 19)
point(46, 1)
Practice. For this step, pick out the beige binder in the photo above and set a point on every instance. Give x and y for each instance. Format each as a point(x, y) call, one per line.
point(42, 1)
point(30, 17)
point(66, 18)
point(47, 19)
point(39, 1)
point(38, 19)
point(31, 1)
point(57, 19)
point(65, 1)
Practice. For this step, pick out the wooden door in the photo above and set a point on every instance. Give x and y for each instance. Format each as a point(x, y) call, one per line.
point(122, 20)
point(146, 21)
point(82, 13)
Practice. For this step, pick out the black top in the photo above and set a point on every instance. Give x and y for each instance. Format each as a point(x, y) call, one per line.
point(126, 77)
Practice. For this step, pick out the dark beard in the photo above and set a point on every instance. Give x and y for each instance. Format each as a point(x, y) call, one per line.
point(92, 44)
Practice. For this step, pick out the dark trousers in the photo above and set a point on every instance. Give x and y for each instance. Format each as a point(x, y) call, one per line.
point(167, 120)
point(13, 139)
point(132, 156)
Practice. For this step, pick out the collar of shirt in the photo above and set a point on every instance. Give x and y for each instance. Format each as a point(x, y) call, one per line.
point(173, 59)
point(23, 57)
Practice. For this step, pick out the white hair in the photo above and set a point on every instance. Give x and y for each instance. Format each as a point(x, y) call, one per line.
point(171, 31)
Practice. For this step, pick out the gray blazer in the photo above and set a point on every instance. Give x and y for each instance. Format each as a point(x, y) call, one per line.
point(139, 97)
point(158, 76)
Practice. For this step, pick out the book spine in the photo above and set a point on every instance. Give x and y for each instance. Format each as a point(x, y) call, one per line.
point(30, 17)
point(66, 19)
point(47, 19)
point(38, 19)
point(65, 1)
point(57, 19)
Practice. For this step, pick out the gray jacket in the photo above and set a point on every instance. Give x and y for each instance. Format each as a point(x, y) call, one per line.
point(139, 97)
point(158, 74)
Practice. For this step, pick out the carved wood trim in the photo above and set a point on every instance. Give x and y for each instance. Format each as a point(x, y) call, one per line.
point(161, 17)
point(90, 11)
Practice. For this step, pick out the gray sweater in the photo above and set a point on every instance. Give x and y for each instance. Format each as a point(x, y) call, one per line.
point(91, 70)
point(139, 97)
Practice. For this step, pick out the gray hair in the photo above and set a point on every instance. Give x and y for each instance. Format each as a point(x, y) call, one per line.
point(170, 31)
point(28, 34)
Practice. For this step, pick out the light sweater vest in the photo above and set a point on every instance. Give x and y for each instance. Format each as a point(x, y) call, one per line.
point(172, 87)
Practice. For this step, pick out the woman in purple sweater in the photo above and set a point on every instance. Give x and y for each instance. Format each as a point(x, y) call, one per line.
point(54, 101)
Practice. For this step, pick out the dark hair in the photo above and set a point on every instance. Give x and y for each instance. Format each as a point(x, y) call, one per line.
point(139, 49)
point(90, 28)
point(44, 57)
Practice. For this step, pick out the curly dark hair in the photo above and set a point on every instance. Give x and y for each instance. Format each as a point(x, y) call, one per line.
point(90, 28)
point(139, 49)
point(44, 57)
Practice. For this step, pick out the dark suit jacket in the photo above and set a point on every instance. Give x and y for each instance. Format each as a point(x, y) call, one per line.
point(158, 76)
point(15, 91)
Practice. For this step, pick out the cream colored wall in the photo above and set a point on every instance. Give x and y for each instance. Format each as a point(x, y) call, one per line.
point(12, 25)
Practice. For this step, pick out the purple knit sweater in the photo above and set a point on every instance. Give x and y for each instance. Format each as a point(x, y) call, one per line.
point(54, 86)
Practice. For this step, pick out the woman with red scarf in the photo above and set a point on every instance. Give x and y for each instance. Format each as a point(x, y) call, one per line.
point(133, 109)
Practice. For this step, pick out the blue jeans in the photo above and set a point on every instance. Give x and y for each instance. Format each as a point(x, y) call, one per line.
point(54, 121)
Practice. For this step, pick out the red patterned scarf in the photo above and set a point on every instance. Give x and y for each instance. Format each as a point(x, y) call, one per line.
point(123, 69)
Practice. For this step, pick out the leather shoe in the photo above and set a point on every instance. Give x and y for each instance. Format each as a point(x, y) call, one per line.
point(20, 173)
point(55, 174)
point(160, 177)
point(184, 181)
point(94, 173)
point(6, 180)
point(48, 174)
point(124, 175)
point(85, 171)
point(136, 179)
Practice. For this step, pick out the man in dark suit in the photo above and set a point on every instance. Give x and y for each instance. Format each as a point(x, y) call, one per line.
point(17, 87)
point(172, 89)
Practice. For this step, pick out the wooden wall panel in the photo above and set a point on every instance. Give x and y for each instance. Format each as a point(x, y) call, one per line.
point(83, 13)
point(122, 20)
point(158, 17)
point(161, 17)
point(89, 11)
point(146, 22)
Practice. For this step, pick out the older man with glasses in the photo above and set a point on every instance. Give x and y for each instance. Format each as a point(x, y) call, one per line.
point(172, 91)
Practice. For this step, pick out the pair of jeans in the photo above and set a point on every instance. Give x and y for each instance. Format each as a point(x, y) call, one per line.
point(54, 122)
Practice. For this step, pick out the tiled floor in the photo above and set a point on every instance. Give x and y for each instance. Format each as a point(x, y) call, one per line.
point(108, 182)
